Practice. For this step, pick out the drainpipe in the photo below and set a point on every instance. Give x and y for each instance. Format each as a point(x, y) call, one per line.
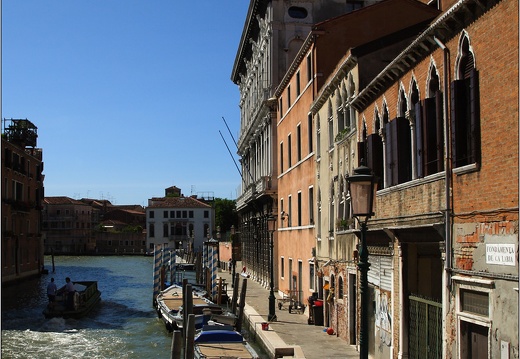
point(447, 167)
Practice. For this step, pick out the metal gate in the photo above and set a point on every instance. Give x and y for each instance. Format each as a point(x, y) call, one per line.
point(425, 332)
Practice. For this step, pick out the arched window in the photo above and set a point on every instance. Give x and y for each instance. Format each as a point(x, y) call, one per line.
point(351, 91)
point(340, 288)
point(330, 122)
point(332, 214)
point(340, 111)
point(332, 289)
point(432, 126)
point(465, 104)
point(418, 144)
point(398, 146)
point(374, 158)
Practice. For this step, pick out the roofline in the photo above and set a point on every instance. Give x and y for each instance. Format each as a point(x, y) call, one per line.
point(444, 28)
point(348, 63)
point(253, 7)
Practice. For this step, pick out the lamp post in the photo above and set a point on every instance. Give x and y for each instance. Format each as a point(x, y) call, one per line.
point(362, 186)
point(271, 227)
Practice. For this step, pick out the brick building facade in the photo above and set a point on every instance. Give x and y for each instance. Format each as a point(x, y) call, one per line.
point(22, 195)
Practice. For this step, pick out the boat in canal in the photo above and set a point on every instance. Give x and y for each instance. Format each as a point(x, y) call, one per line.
point(169, 307)
point(219, 342)
point(86, 298)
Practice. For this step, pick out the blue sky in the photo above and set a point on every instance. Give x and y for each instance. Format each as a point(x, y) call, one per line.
point(128, 95)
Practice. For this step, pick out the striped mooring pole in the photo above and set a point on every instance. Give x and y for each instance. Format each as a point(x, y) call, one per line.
point(214, 268)
point(157, 264)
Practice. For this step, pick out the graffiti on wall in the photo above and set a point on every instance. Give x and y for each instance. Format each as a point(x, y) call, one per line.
point(383, 317)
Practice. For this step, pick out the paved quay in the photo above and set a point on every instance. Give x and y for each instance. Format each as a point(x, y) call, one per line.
point(291, 334)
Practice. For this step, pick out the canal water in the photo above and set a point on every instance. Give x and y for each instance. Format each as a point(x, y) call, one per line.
point(125, 325)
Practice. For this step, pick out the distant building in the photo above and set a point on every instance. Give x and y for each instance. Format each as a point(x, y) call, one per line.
point(68, 226)
point(22, 194)
point(122, 231)
point(91, 226)
point(179, 222)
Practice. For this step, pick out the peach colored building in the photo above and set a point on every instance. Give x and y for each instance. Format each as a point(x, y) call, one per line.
point(296, 175)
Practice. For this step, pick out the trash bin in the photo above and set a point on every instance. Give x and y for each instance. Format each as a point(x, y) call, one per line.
point(317, 311)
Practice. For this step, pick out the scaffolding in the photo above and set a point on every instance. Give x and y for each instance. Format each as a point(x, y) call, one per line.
point(21, 132)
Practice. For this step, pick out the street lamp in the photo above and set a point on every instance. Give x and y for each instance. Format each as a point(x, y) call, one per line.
point(271, 227)
point(362, 186)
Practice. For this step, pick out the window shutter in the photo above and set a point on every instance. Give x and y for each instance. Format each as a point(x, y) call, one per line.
point(458, 123)
point(375, 156)
point(390, 145)
point(419, 140)
point(474, 97)
point(439, 119)
point(429, 135)
point(404, 150)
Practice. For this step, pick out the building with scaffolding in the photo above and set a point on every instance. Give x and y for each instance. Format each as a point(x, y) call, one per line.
point(22, 195)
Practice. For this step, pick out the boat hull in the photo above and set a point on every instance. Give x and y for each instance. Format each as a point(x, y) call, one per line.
point(85, 301)
point(222, 344)
point(169, 308)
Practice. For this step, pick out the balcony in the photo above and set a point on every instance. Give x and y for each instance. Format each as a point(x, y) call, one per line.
point(261, 187)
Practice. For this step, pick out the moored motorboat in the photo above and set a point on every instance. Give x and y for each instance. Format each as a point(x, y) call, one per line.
point(213, 342)
point(169, 306)
point(86, 297)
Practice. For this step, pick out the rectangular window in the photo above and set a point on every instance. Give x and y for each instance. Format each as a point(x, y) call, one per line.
point(289, 149)
point(288, 96)
point(172, 214)
point(184, 214)
point(331, 132)
point(298, 84)
point(179, 214)
point(309, 68)
point(289, 212)
point(165, 214)
point(311, 276)
point(281, 107)
point(282, 267)
point(298, 143)
point(281, 157)
point(299, 208)
point(152, 214)
point(309, 132)
point(206, 214)
point(311, 206)
point(474, 302)
point(354, 5)
point(190, 214)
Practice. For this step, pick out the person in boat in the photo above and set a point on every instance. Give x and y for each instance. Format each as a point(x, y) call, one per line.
point(51, 292)
point(69, 291)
